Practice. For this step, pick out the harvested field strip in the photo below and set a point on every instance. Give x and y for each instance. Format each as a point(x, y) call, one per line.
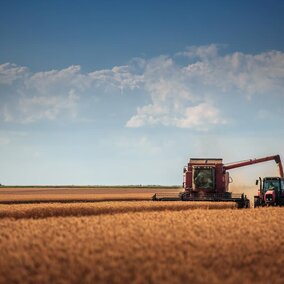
point(80, 190)
point(33, 195)
point(119, 187)
point(37, 211)
point(66, 198)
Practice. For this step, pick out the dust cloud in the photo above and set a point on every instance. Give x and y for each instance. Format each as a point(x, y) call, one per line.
point(241, 187)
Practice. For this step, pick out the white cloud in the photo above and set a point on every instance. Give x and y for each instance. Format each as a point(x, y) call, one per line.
point(55, 94)
point(191, 94)
point(150, 114)
point(246, 73)
point(48, 107)
point(202, 52)
point(44, 82)
point(174, 99)
point(201, 117)
point(11, 72)
point(117, 77)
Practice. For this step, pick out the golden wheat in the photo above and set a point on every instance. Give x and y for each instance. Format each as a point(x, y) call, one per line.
point(44, 210)
point(137, 242)
point(147, 246)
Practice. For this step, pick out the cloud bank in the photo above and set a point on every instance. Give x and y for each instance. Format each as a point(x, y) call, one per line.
point(187, 90)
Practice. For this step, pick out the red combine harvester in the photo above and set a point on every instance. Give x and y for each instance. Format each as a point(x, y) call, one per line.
point(208, 180)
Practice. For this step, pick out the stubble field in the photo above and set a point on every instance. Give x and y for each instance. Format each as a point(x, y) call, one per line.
point(140, 242)
point(67, 194)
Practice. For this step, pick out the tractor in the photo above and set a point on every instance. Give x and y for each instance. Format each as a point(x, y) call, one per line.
point(270, 193)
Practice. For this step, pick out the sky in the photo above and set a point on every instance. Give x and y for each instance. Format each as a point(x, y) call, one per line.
point(125, 92)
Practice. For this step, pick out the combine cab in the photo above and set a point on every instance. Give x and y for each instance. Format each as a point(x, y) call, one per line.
point(208, 180)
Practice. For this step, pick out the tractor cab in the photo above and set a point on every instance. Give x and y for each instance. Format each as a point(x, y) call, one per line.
point(273, 183)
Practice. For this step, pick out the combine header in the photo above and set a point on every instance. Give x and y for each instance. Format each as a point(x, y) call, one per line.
point(208, 180)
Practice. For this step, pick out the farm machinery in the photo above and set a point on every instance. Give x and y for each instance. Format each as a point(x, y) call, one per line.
point(208, 180)
point(271, 189)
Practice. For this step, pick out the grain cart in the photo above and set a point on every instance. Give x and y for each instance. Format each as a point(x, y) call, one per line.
point(208, 180)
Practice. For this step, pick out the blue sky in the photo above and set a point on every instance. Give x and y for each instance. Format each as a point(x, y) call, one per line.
point(124, 92)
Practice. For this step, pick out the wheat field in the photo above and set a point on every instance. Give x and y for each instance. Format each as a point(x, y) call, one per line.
point(44, 210)
point(140, 242)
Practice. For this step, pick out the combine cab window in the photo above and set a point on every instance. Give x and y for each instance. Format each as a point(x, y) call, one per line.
point(203, 178)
